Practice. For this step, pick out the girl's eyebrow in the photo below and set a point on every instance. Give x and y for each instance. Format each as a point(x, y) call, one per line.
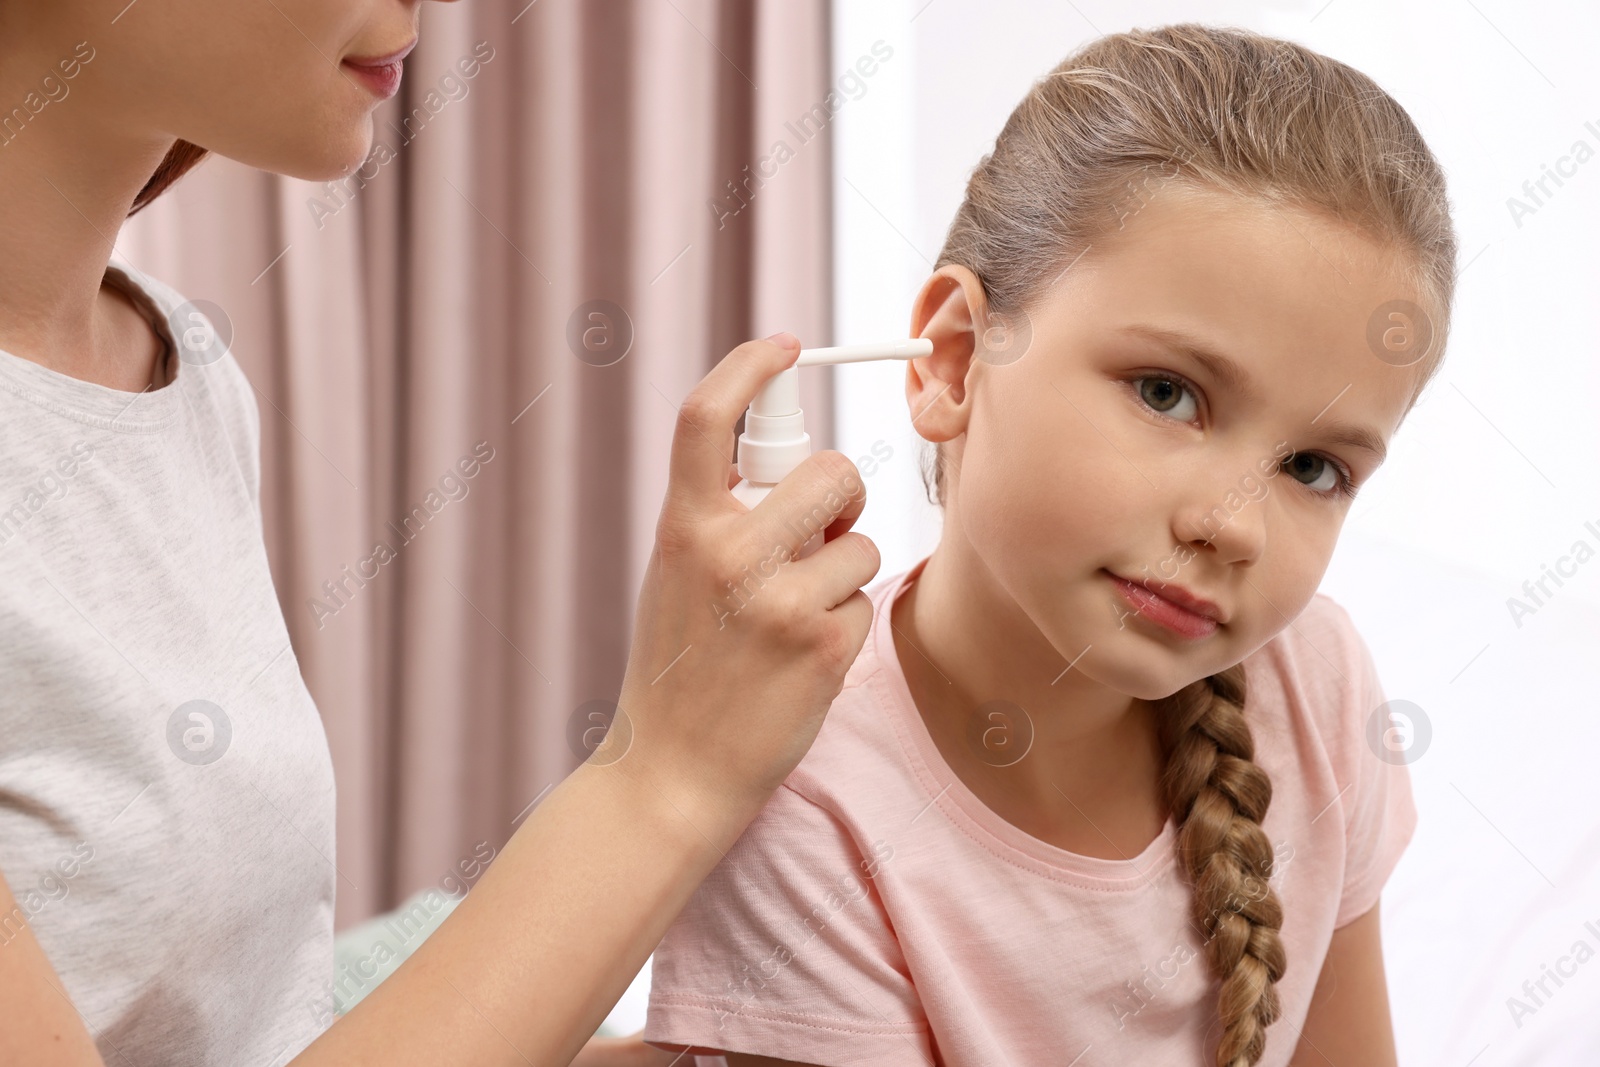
point(1234, 377)
point(1237, 380)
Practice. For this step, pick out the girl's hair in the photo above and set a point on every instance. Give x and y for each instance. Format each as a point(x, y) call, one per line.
point(180, 159)
point(1235, 111)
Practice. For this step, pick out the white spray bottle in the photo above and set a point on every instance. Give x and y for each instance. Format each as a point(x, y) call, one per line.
point(775, 442)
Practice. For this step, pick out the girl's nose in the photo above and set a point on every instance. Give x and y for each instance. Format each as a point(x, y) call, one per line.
point(1233, 535)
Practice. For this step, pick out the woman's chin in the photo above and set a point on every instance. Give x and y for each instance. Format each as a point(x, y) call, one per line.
point(329, 156)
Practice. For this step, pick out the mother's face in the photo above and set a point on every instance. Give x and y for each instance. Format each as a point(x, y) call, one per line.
point(260, 81)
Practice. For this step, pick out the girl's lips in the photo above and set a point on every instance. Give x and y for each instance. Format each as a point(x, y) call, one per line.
point(1157, 609)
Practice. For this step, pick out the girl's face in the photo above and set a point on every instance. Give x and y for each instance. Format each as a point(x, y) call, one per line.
point(1108, 449)
point(260, 81)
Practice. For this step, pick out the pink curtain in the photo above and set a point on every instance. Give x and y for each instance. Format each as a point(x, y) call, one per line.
point(437, 345)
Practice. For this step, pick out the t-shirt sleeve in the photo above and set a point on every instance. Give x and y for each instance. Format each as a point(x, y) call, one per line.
point(1380, 814)
point(786, 951)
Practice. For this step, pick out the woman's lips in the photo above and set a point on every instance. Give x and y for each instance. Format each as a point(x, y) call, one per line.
point(381, 74)
point(382, 81)
point(1158, 609)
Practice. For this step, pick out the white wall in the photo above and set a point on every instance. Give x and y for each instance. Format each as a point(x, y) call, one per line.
point(1491, 477)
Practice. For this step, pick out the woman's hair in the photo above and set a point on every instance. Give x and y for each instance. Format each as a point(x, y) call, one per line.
point(1235, 111)
point(180, 159)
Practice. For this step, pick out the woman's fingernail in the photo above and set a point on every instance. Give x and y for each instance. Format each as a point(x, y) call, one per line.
point(785, 339)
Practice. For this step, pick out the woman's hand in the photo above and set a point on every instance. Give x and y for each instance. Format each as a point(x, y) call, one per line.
point(738, 647)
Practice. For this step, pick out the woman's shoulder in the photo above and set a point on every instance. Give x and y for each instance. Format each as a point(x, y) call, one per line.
point(201, 331)
point(204, 365)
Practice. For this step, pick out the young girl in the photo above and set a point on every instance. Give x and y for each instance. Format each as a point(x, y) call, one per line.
point(1099, 788)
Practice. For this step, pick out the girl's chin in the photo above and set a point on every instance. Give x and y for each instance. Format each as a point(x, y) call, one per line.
point(1130, 663)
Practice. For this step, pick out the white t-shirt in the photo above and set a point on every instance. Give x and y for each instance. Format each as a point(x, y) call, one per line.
point(166, 791)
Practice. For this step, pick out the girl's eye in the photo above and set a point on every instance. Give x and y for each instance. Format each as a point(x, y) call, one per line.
point(1329, 479)
point(1166, 396)
point(1172, 397)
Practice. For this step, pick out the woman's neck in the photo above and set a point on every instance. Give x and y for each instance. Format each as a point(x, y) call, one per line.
point(67, 180)
point(1077, 763)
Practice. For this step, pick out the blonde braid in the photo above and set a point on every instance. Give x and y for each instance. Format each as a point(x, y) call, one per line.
point(1218, 798)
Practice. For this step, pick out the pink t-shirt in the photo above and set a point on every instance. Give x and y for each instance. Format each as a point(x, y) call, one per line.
point(876, 912)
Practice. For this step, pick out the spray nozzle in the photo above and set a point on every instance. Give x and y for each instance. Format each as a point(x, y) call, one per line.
point(775, 441)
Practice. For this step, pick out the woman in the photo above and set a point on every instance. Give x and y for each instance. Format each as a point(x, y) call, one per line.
point(158, 905)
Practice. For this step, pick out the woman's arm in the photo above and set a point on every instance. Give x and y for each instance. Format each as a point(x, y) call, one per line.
point(719, 701)
point(1348, 1024)
point(40, 1025)
point(523, 970)
point(630, 1051)
point(528, 965)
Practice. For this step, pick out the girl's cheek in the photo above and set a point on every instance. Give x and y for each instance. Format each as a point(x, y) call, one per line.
point(1038, 490)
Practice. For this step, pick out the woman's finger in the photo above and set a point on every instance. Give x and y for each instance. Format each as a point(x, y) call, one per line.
point(838, 570)
point(813, 498)
point(702, 442)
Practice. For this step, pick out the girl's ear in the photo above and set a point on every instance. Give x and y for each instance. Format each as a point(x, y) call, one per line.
point(946, 310)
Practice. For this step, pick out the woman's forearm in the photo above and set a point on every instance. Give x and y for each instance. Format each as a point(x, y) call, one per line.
point(721, 705)
point(531, 962)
